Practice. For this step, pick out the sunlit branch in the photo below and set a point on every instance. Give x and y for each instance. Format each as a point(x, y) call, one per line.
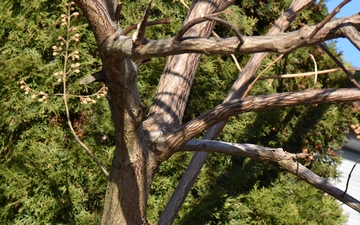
point(250, 104)
point(286, 160)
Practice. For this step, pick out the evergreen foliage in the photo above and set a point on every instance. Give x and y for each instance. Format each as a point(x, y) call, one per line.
point(47, 178)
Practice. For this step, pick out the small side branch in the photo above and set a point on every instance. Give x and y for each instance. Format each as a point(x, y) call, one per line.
point(286, 160)
point(317, 28)
point(96, 77)
point(117, 12)
point(139, 35)
point(351, 77)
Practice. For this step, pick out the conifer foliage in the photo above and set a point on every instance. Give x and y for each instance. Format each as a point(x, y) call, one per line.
point(48, 48)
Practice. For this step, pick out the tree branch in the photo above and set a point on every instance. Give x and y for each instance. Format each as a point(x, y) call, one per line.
point(317, 28)
point(122, 46)
point(194, 127)
point(285, 159)
point(352, 34)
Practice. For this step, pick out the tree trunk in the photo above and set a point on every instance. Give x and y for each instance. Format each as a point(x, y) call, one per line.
point(129, 180)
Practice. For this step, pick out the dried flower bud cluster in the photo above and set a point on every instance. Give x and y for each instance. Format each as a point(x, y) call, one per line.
point(60, 74)
point(86, 100)
point(42, 95)
point(356, 129)
point(102, 93)
point(64, 21)
point(25, 87)
point(75, 55)
point(76, 37)
point(57, 50)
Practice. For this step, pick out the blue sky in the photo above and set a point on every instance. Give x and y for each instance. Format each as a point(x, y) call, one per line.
point(351, 54)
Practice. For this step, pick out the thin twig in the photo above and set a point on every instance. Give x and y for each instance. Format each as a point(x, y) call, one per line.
point(286, 76)
point(138, 37)
point(150, 23)
point(349, 176)
point(89, 152)
point(262, 72)
point(351, 77)
point(317, 28)
point(316, 72)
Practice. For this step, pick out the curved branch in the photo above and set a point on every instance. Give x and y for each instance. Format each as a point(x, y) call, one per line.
point(192, 23)
point(285, 159)
point(249, 104)
point(119, 45)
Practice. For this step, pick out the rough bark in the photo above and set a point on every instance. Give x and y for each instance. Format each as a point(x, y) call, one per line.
point(129, 180)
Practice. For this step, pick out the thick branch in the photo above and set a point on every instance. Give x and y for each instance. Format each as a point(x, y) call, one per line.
point(122, 46)
point(250, 104)
point(286, 160)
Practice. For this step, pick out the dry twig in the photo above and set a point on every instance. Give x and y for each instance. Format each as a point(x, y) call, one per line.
point(138, 37)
